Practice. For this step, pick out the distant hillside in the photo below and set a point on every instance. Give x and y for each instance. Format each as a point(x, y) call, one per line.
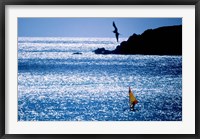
point(160, 41)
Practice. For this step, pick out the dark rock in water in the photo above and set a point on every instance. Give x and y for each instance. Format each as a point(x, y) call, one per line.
point(77, 53)
point(161, 41)
point(102, 51)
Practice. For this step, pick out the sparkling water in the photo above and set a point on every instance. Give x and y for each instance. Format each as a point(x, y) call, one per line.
point(56, 84)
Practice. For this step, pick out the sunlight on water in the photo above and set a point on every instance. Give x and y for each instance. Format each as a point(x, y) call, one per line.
point(56, 85)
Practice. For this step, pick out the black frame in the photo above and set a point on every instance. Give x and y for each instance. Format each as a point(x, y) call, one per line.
point(3, 3)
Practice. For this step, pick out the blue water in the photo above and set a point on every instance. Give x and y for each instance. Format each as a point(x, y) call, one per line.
point(56, 85)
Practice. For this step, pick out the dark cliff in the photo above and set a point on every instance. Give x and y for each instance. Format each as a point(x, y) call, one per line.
point(160, 41)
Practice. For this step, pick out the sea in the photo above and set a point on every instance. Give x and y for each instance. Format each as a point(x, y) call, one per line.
point(62, 79)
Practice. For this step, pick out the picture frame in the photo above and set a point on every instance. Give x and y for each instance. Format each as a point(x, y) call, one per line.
point(98, 2)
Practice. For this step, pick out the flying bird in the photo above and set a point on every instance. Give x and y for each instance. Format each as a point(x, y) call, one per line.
point(116, 31)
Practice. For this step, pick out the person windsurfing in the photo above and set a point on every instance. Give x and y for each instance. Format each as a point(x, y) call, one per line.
point(132, 100)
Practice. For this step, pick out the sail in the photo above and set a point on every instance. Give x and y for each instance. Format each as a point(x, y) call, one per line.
point(132, 98)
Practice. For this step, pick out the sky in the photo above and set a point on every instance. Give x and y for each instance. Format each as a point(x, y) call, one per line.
point(89, 27)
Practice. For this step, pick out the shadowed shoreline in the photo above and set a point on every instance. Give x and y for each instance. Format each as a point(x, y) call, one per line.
point(160, 41)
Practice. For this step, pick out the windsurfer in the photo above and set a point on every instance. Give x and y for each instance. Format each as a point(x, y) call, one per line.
point(132, 100)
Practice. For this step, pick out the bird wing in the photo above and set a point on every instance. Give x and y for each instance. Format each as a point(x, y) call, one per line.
point(117, 36)
point(114, 26)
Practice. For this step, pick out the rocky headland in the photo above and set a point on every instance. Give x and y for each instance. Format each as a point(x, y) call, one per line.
point(160, 41)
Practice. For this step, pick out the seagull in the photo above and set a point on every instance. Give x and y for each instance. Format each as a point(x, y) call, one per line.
point(116, 31)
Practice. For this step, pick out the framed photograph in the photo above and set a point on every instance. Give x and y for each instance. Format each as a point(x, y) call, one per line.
point(103, 69)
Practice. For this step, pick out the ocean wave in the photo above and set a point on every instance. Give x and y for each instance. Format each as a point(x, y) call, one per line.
point(56, 85)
